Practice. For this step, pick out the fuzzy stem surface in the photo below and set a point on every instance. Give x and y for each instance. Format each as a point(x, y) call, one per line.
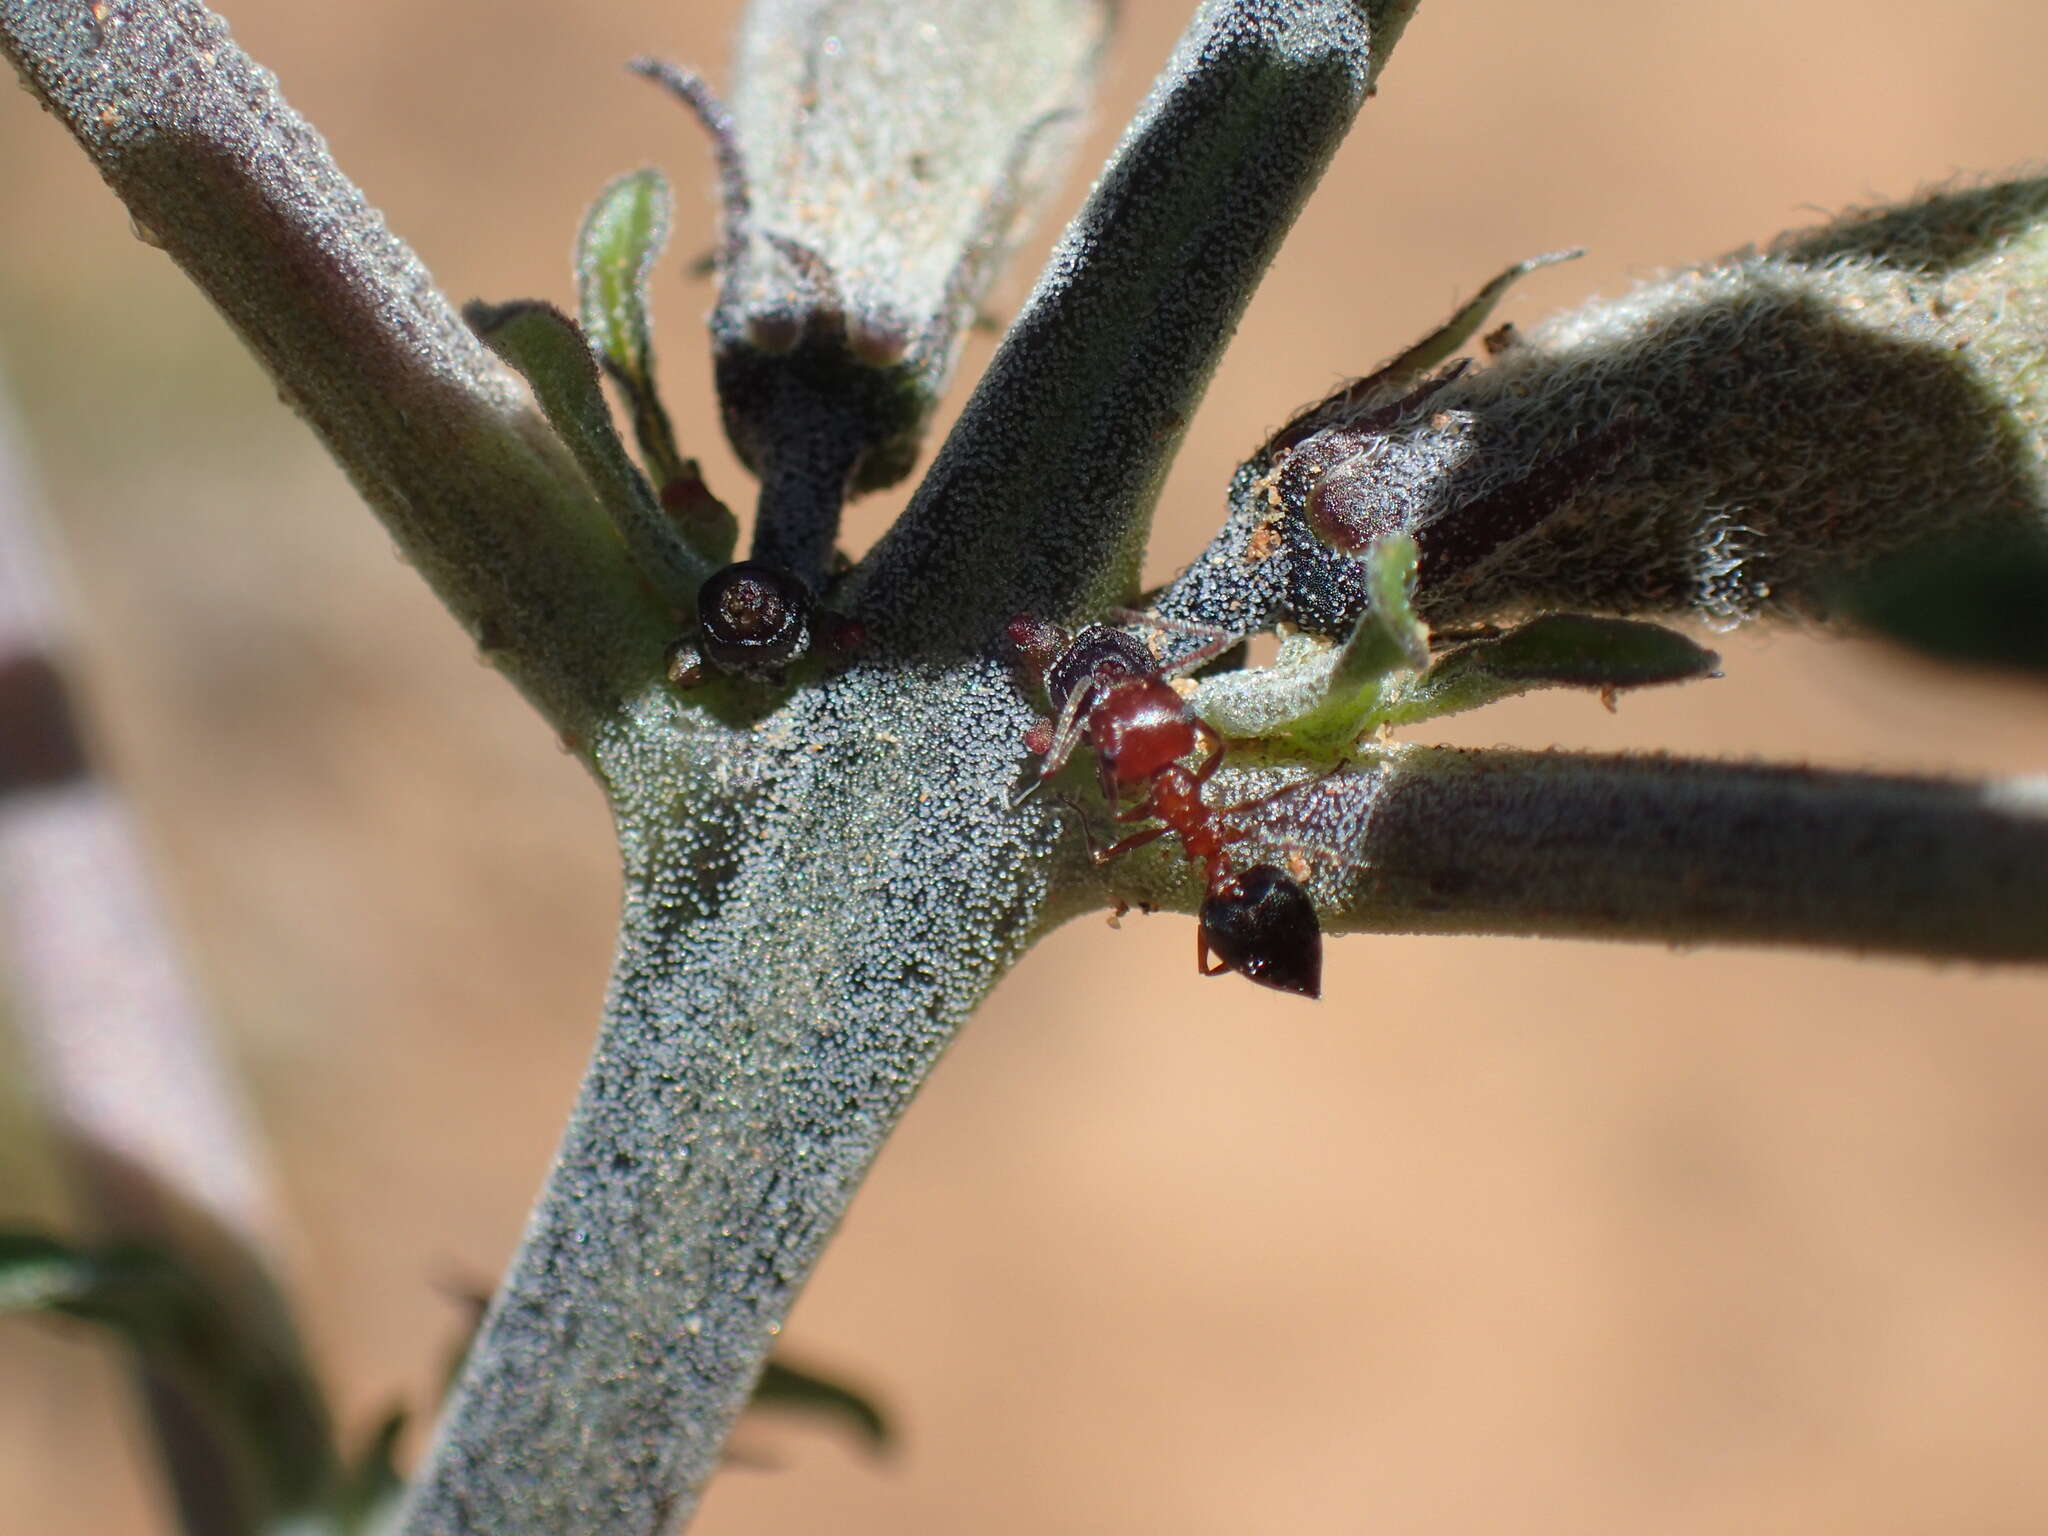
point(235, 187)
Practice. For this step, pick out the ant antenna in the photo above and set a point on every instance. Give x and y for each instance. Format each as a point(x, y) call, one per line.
point(1215, 641)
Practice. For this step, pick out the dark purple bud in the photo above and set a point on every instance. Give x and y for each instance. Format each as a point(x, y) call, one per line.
point(1035, 642)
point(754, 619)
point(1263, 926)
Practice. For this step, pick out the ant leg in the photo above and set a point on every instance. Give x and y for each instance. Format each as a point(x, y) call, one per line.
point(1238, 833)
point(1130, 844)
point(1115, 850)
point(1182, 626)
point(1137, 812)
point(1066, 731)
point(1278, 794)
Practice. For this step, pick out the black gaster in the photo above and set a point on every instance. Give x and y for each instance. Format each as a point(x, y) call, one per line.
point(1263, 926)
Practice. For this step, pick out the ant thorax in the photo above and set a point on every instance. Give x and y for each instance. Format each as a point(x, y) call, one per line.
point(1138, 727)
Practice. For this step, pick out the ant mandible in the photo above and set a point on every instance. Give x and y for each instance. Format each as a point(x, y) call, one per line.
point(1108, 693)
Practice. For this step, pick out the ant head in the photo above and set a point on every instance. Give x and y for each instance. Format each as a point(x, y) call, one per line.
point(1081, 678)
point(1098, 653)
point(1263, 926)
point(754, 619)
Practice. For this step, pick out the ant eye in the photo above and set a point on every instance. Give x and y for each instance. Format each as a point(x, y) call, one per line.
point(1097, 651)
point(754, 618)
point(1263, 926)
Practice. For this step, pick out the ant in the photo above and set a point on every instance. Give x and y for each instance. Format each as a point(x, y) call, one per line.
point(1107, 692)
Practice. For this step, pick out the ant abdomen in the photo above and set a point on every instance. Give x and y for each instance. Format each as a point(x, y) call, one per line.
point(1262, 925)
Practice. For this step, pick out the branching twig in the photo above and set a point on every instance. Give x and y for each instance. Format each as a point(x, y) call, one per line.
point(822, 882)
point(241, 193)
point(1047, 511)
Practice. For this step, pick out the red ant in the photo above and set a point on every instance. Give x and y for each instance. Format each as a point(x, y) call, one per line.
point(1108, 692)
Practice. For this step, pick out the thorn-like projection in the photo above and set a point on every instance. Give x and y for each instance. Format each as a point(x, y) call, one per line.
point(695, 93)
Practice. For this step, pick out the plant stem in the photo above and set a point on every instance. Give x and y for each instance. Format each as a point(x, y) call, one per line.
point(1683, 852)
point(1426, 839)
point(234, 186)
point(786, 977)
point(143, 1115)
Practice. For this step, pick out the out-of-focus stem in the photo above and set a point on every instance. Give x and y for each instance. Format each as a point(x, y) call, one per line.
point(146, 1123)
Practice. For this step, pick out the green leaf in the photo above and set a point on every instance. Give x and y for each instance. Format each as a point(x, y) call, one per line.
point(1393, 637)
point(1559, 650)
point(258, 1405)
point(143, 1295)
point(37, 1273)
point(1324, 696)
point(616, 249)
point(371, 1487)
point(783, 1385)
point(1978, 602)
point(550, 353)
point(622, 236)
point(1388, 642)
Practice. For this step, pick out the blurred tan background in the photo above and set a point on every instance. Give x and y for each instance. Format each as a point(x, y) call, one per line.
point(1503, 1236)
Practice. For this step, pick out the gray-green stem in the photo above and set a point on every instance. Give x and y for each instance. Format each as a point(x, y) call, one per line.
point(235, 187)
point(142, 1111)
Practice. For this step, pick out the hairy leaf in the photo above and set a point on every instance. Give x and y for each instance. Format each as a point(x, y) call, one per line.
point(1559, 650)
point(551, 353)
point(1981, 602)
point(623, 233)
point(1730, 442)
